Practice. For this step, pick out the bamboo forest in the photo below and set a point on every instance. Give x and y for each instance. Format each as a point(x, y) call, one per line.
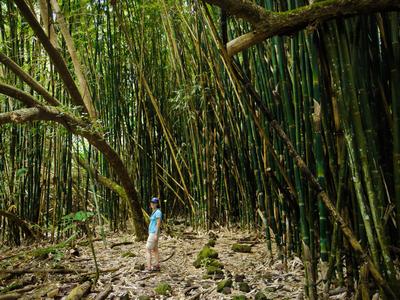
point(200, 149)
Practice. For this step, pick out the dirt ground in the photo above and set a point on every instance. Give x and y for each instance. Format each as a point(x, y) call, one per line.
point(121, 265)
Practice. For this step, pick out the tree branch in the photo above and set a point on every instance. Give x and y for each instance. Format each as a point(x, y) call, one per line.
point(243, 9)
point(17, 70)
point(12, 92)
point(107, 182)
point(268, 24)
point(23, 115)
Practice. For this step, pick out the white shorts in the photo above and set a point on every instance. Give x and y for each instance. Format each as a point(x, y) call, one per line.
point(151, 243)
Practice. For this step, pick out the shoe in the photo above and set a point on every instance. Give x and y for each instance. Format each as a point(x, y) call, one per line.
point(156, 268)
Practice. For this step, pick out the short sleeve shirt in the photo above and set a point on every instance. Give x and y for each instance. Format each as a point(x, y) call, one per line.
point(153, 220)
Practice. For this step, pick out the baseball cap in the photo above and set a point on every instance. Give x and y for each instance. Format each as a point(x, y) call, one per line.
point(154, 200)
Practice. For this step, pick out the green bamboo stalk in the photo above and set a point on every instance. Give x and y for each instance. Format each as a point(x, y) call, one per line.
point(395, 95)
point(365, 161)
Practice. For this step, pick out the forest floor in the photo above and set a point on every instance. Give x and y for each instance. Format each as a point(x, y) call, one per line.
point(122, 274)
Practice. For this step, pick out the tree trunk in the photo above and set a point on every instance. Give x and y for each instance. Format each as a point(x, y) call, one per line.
point(268, 24)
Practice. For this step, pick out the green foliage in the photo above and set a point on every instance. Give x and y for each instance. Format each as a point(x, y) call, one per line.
point(239, 297)
point(211, 243)
point(244, 287)
point(71, 220)
point(163, 289)
point(223, 284)
point(260, 296)
point(43, 253)
point(21, 172)
point(243, 248)
point(128, 254)
point(13, 286)
point(82, 216)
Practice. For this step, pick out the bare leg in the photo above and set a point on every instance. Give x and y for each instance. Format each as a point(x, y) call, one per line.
point(156, 256)
point(148, 256)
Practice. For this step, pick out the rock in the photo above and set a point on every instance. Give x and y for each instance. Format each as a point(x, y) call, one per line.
point(218, 276)
point(244, 287)
point(239, 277)
point(224, 283)
point(204, 254)
point(188, 283)
point(128, 254)
point(144, 297)
point(74, 252)
point(267, 276)
point(197, 263)
point(124, 296)
point(79, 291)
point(139, 267)
point(11, 296)
point(211, 270)
point(53, 293)
point(215, 263)
point(163, 288)
point(272, 289)
point(300, 296)
point(239, 297)
point(242, 248)
point(227, 290)
point(211, 243)
point(212, 235)
point(207, 252)
point(260, 296)
point(206, 285)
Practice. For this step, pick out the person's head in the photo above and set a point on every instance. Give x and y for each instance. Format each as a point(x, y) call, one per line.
point(154, 203)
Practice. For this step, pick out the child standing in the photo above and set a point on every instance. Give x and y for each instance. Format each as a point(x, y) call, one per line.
point(154, 231)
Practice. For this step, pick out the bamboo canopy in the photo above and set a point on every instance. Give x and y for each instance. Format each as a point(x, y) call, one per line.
point(281, 115)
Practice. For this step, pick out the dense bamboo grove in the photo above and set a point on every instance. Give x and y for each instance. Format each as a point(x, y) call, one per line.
point(198, 129)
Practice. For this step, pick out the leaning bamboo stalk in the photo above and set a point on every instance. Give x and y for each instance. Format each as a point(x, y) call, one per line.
point(84, 87)
point(56, 57)
point(355, 244)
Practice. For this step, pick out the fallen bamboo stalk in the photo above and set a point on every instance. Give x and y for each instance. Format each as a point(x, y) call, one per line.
point(27, 288)
point(17, 294)
point(28, 271)
point(79, 291)
point(103, 295)
point(11, 296)
point(190, 288)
point(54, 271)
point(120, 244)
point(169, 257)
